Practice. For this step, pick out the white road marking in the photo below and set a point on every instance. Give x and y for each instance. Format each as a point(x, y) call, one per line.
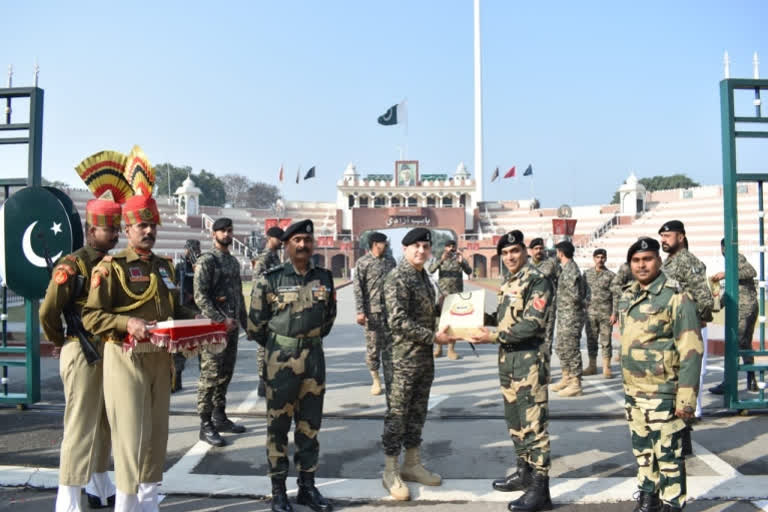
point(249, 403)
point(434, 400)
point(188, 461)
point(762, 505)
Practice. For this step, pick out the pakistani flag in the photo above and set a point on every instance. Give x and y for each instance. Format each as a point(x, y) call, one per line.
point(394, 115)
point(34, 227)
point(310, 173)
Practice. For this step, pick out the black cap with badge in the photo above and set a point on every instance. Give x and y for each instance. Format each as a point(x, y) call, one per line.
point(536, 242)
point(642, 245)
point(600, 251)
point(417, 235)
point(514, 237)
point(222, 223)
point(275, 232)
point(376, 237)
point(298, 228)
point(672, 225)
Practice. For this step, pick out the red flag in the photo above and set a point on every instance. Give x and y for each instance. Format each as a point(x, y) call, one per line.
point(282, 177)
point(510, 173)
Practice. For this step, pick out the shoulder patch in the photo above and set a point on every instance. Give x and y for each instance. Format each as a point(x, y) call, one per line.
point(60, 276)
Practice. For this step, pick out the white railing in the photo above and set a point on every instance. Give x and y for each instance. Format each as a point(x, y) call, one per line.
point(602, 229)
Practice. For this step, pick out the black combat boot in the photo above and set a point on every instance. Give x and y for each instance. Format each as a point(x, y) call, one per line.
point(280, 501)
point(647, 502)
point(536, 496)
point(209, 434)
point(309, 495)
point(224, 424)
point(751, 382)
point(262, 392)
point(718, 390)
point(517, 481)
point(94, 502)
point(176, 382)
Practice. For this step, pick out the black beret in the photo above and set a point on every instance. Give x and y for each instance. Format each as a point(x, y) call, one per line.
point(302, 227)
point(376, 237)
point(535, 242)
point(192, 244)
point(451, 242)
point(275, 232)
point(643, 244)
point(600, 251)
point(514, 237)
point(673, 225)
point(222, 223)
point(417, 235)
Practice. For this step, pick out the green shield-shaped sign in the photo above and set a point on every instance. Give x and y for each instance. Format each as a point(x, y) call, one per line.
point(33, 225)
point(78, 238)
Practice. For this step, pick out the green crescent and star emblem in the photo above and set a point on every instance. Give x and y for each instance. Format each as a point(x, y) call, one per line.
point(34, 224)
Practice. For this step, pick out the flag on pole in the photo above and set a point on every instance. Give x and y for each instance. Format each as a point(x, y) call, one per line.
point(495, 175)
point(282, 176)
point(394, 115)
point(510, 173)
point(297, 175)
point(310, 173)
point(528, 170)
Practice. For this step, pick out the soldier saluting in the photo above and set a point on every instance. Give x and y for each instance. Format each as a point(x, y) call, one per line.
point(449, 280)
point(661, 352)
point(219, 295)
point(293, 308)
point(86, 446)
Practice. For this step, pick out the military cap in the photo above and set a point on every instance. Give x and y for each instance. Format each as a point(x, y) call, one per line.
point(451, 242)
point(514, 237)
point(600, 251)
point(417, 235)
point(642, 245)
point(376, 237)
point(192, 244)
point(672, 225)
point(536, 242)
point(275, 232)
point(222, 223)
point(298, 228)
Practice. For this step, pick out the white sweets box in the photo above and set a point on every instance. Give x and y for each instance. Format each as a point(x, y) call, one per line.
point(463, 313)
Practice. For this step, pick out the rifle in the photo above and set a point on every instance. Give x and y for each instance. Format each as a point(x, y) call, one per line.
point(73, 320)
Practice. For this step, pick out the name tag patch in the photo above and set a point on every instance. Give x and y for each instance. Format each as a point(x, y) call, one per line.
point(136, 275)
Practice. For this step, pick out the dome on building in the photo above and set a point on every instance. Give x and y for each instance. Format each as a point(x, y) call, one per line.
point(461, 171)
point(187, 188)
point(351, 170)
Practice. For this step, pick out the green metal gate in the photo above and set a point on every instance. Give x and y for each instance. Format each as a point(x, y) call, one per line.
point(32, 136)
point(741, 127)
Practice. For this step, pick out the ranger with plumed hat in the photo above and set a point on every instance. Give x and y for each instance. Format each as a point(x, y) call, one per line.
point(293, 307)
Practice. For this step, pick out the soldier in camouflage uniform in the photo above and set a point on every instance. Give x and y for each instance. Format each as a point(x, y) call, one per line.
point(451, 264)
point(523, 301)
point(409, 367)
point(293, 307)
point(269, 258)
point(691, 274)
point(661, 351)
point(370, 271)
point(185, 274)
point(571, 292)
point(748, 311)
point(85, 449)
point(219, 295)
point(598, 281)
point(550, 268)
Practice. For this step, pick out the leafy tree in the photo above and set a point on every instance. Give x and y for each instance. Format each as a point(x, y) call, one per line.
point(655, 183)
point(211, 186)
point(262, 195)
point(236, 189)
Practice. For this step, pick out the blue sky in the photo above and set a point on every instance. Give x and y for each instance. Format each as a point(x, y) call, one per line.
point(585, 91)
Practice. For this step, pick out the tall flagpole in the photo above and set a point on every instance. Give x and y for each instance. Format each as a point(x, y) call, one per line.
point(478, 111)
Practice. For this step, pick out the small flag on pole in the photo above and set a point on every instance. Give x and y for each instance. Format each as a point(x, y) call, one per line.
point(297, 174)
point(394, 114)
point(510, 173)
point(282, 176)
point(310, 173)
point(495, 175)
point(528, 170)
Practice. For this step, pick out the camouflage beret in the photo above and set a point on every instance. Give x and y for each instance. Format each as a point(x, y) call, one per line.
point(302, 227)
point(644, 244)
point(672, 225)
point(417, 235)
point(514, 237)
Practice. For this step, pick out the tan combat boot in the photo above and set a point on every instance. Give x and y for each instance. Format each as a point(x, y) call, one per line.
point(607, 373)
point(376, 386)
point(438, 351)
point(413, 471)
point(591, 369)
point(563, 382)
point(452, 354)
point(392, 482)
point(573, 388)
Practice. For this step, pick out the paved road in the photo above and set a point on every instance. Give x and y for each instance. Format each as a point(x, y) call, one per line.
point(465, 441)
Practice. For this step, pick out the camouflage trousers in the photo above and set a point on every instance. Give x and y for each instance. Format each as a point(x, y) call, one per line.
point(747, 319)
point(260, 362)
point(549, 330)
point(657, 446)
point(568, 346)
point(215, 374)
point(523, 378)
point(295, 371)
point(375, 336)
point(598, 327)
point(408, 388)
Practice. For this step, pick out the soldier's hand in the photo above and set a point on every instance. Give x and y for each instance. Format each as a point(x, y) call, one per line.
point(138, 328)
point(684, 414)
point(443, 338)
point(614, 319)
point(361, 319)
point(717, 277)
point(483, 337)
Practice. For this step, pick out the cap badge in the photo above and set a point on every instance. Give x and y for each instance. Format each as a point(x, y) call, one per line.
point(643, 244)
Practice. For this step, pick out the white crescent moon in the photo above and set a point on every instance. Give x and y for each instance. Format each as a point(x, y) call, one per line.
point(29, 253)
